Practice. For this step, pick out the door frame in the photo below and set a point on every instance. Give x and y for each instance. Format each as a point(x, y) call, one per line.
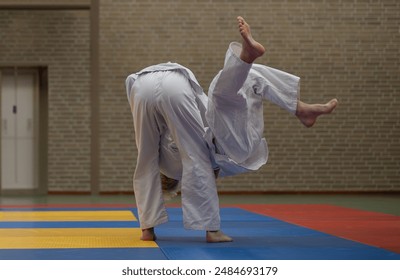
point(40, 109)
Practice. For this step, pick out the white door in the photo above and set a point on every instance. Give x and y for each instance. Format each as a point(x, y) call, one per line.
point(17, 130)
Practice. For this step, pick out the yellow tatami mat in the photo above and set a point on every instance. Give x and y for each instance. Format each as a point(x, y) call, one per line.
point(62, 216)
point(51, 238)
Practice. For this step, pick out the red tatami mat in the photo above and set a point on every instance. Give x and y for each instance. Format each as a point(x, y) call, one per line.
point(371, 228)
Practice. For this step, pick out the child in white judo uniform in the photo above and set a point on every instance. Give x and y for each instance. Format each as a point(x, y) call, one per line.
point(188, 136)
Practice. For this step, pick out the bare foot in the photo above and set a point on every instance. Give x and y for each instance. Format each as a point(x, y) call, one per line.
point(148, 234)
point(308, 113)
point(251, 49)
point(217, 236)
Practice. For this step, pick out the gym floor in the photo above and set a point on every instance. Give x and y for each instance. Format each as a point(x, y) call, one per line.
point(263, 226)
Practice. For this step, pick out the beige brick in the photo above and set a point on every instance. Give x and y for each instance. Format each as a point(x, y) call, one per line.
point(344, 49)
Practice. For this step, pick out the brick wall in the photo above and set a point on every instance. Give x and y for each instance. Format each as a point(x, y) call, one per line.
point(59, 40)
point(343, 49)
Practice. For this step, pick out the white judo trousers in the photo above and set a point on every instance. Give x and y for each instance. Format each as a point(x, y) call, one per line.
point(164, 104)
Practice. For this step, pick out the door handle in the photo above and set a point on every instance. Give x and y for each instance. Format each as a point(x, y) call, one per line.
point(4, 126)
point(29, 124)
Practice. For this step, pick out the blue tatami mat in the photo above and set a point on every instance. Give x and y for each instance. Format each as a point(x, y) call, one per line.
point(257, 237)
point(83, 254)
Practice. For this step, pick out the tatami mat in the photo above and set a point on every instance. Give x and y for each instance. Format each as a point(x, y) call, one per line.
point(372, 228)
point(72, 238)
point(261, 237)
point(115, 234)
point(66, 216)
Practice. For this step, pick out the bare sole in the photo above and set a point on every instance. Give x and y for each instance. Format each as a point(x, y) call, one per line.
point(251, 49)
